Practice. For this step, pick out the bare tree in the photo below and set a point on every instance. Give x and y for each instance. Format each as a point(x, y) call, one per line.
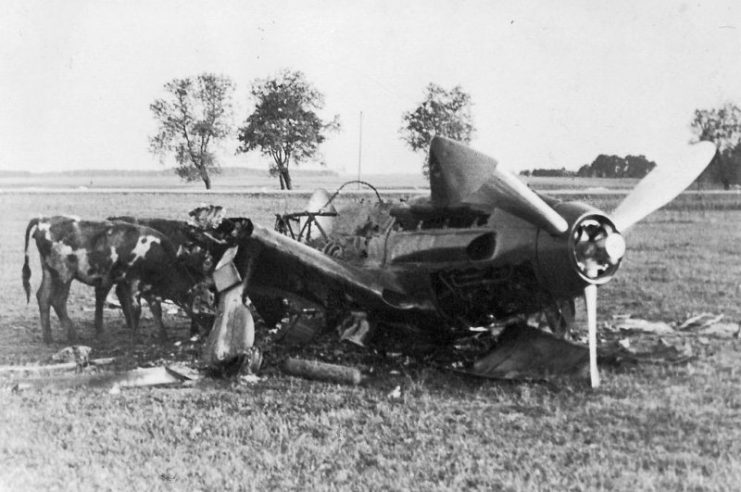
point(195, 113)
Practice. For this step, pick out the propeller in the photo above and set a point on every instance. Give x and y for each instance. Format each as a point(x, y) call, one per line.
point(664, 183)
point(598, 249)
point(460, 175)
point(590, 297)
point(605, 247)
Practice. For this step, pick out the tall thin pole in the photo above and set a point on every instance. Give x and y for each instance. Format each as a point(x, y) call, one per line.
point(360, 147)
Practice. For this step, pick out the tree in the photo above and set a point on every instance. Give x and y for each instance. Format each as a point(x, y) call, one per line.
point(722, 126)
point(285, 125)
point(195, 114)
point(444, 113)
point(613, 166)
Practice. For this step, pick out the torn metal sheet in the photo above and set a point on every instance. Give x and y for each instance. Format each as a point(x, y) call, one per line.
point(670, 350)
point(721, 330)
point(523, 352)
point(64, 366)
point(700, 321)
point(709, 324)
point(635, 325)
point(140, 377)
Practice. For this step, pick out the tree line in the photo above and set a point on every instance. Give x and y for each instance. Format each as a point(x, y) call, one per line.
point(721, 125)
point(603, 166)
point(284, 125)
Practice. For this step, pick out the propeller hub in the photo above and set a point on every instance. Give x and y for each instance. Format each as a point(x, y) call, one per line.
point(597, 247)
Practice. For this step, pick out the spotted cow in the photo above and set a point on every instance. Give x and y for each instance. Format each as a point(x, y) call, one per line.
point(138, 260)
point(194, 249)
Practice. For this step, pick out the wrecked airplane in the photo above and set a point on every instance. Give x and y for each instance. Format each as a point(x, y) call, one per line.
point(483, 247)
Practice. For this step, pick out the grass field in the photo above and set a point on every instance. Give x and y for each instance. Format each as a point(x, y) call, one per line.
point(651, 427)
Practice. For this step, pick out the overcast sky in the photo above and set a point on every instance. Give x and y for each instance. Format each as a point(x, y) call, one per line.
point(553, 83)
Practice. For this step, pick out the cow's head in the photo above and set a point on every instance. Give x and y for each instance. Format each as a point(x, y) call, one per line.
point(196, 258)
point(233, 229)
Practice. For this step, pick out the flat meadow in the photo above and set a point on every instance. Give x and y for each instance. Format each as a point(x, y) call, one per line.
point(648, 427)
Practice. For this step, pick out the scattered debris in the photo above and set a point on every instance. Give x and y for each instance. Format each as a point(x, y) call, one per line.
point(675, 350)
point(300, 328)
point(394, 394)
point(701, 320)
point(722, 330)
point(184, 372)
point(355, 328)
point(708, 324)
point(249, 378)
point(80, 354)
point(634, 325)
point(322, 371)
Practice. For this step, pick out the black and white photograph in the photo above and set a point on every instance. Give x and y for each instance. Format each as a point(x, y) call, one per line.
point(370, 245)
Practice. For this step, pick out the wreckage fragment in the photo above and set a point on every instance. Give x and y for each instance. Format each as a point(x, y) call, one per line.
point(523, 352)
point(229, 346)
point(322, 371)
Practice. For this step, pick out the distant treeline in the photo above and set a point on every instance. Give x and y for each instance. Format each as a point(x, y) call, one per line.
point(604, 166)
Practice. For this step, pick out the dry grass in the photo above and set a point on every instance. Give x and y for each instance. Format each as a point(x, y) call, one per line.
point(648, 428)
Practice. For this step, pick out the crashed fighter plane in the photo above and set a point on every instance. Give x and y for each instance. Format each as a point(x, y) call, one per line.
point(482, 247)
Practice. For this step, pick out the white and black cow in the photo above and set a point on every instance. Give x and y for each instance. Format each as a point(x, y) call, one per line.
point(138, 260)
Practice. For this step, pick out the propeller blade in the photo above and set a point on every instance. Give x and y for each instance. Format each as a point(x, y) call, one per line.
point(461, 175)
point(590, 296)
point(663, 184)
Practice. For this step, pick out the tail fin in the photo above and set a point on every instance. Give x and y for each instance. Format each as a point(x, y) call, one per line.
point(33, 224)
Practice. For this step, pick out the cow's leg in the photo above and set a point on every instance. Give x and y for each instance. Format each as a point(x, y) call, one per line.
point(124, 298)
point(155, 306)
point(43, 296)
point(59, 295)
point(101, 292)
point(130, 303)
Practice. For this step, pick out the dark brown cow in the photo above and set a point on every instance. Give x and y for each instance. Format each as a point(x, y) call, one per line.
point(197, 248)
point(139, 260)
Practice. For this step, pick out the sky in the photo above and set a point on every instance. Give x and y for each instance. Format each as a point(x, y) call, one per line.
point(553, 84)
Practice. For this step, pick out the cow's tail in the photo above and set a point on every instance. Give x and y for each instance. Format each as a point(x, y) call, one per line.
point(33, 224)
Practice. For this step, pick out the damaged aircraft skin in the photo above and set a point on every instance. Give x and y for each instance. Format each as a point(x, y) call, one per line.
point(482, 247)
